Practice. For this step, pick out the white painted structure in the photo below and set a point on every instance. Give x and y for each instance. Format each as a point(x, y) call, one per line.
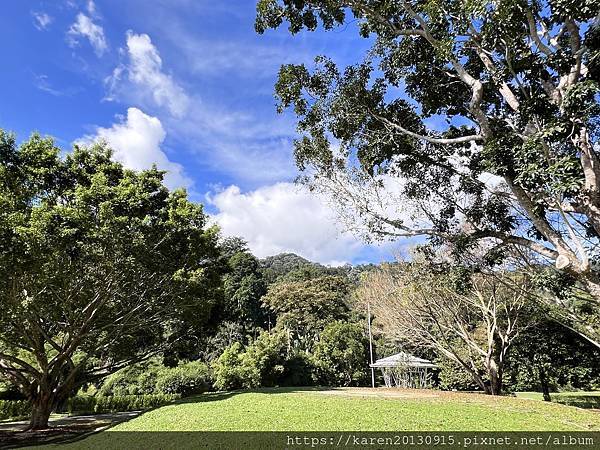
point(405, 371)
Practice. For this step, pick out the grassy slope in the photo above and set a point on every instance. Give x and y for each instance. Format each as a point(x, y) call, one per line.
point(289, 410)
point(282, 410)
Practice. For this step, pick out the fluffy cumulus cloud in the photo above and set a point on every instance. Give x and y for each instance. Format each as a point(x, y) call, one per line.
point(284, 217)
point(136, 141)
point(143, 75)
point(85, 27)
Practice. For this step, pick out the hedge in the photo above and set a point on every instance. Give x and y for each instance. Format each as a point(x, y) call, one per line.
point(152, 378)
point(83, 404)
point(14, 409)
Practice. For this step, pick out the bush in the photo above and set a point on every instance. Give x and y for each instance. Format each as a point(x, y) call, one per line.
point(268, 354)
point(341, 355)
point(14, 409)
point(154, 378)
point(231, 372)
point(139, 379)
point(82, 404)
point(454, 377)
point(299, 370)
point(266, 362)
point(186, 379)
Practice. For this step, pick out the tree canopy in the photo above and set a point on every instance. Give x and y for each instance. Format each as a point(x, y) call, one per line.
point(99, 267)
point(475, 124)
point(304, 308)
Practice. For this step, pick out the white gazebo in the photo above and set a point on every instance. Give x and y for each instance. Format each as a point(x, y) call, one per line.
point(405, 371)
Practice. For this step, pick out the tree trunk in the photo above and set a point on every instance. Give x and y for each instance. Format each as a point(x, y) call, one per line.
point(495, 376)
point(544, 384)
point(40, 413)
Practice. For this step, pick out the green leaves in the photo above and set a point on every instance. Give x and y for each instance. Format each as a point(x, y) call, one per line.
point(99, 265)
point(300, 14)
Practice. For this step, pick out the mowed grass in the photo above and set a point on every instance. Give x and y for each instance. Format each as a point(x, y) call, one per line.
point(360, 409)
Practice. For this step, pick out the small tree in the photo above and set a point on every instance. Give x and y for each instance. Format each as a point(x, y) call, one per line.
point(98, 266)
point(548, 356)
point(473, 326)
point(341, 356)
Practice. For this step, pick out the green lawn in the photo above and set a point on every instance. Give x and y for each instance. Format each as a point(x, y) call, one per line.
point(313, 411)
point(354, 409)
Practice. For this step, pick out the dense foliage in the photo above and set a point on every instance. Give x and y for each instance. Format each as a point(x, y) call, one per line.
point(303, 308)
point(475, 124)
point(340, 355)
point(99, 267)
point(187, 378)
point(14, 409)
point(111, 404)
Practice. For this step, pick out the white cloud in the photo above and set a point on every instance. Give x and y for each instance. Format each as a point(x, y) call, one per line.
point(91, 7)
point(41, 20)
point(41, 82)
point(144, 72)
point(252, 148)
point(85, 27)
point(136, 141)
point(243, 59)
point(284, 217)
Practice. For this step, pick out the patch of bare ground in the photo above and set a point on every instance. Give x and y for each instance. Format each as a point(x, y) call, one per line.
point(62, 429)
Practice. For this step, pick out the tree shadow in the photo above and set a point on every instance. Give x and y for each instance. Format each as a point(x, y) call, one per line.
point(224, 395)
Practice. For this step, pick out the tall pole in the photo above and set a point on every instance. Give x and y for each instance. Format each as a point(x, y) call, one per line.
point(370, 344)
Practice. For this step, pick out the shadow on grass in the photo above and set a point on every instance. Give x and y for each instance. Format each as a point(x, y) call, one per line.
point(580, 401)
point(224, 395)
point(74, 429)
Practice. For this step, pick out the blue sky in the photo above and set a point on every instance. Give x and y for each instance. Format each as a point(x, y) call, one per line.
point(186, 84)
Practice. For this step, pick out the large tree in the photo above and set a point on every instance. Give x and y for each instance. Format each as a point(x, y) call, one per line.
point(99, 267)
point(244, 287)
point(303, 308)
point(472, 324)
point(473, 123)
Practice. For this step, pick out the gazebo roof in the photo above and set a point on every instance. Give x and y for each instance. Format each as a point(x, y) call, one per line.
point(402, 359)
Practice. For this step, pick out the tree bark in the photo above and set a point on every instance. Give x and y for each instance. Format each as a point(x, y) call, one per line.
point(544, 385)
point(40, 413)
point(495, 376)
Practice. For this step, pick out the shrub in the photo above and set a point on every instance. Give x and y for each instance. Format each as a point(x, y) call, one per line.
point(299, 370)
point(231, 370)
point(138, 379)
point(268, 354)
point(454, 377)
point(341, 355)
point(266, 362)
point(14, 409)
point(186, 379)
point(154, 378)
point(107, 404)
